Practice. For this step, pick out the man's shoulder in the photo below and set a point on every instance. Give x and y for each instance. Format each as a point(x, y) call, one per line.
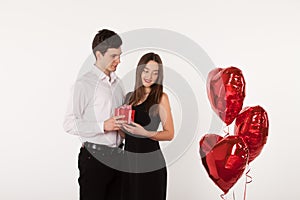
point(87, 79)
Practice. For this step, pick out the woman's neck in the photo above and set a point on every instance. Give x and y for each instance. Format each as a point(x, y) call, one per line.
point(145, 96)
point(147, 90)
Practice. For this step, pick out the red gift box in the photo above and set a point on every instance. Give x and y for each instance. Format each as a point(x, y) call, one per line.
point(127, 111)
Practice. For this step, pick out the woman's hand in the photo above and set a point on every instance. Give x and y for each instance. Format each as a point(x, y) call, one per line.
point(137, 129)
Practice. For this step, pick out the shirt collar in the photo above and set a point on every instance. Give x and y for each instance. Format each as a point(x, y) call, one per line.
point(113, 76)
point(102, 75)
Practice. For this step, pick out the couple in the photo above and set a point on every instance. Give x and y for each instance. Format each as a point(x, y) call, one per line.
point(90, 115)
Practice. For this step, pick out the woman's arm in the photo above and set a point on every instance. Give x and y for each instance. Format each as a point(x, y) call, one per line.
point(166, 119)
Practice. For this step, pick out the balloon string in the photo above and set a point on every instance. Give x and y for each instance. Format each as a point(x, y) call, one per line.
point(248, 176)
point(222, 196)
point(247, 182)
point(227, 132)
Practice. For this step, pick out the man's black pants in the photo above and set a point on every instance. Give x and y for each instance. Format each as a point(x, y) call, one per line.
point(99, 178)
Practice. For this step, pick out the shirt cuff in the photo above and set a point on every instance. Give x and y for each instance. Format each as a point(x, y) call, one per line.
point(101, 127)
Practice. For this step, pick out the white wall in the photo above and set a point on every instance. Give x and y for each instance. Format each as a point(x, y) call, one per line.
point(44, 44)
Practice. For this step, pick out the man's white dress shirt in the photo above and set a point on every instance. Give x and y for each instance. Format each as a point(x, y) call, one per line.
point(93, 100)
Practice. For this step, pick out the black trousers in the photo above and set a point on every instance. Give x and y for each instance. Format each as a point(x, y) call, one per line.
point(97, 180)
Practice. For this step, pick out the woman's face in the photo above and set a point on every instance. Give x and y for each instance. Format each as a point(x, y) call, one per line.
point(150, 73)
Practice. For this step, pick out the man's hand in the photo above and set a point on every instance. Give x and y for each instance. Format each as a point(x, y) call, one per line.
point(114, 123)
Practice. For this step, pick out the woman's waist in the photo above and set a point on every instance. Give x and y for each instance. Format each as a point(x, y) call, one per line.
point(142, 147)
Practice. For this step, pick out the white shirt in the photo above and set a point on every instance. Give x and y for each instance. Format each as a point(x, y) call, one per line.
point(93, 101)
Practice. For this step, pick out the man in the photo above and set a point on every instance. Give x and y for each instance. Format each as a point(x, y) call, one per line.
point(90, 116)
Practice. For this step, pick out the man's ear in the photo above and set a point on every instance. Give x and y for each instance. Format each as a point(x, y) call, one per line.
point(99, 55)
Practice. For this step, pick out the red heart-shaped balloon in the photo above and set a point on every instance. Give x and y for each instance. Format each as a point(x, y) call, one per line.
point(207, 142)
point(226, 92)
point(252, 125)
point(224, 159)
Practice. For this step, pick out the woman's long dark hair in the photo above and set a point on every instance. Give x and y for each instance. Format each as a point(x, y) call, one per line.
point(156, 92)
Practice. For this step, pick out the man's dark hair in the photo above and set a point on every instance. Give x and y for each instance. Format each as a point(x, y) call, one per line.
point(104, 40)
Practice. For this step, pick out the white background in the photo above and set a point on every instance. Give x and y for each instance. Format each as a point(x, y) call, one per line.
point(44, 43)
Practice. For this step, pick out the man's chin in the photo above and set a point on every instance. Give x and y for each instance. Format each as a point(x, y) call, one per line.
point(113, 69)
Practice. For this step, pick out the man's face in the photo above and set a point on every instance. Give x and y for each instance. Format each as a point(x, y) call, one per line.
point(110, 60)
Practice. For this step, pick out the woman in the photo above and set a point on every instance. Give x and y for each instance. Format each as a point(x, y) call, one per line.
point(147, 178)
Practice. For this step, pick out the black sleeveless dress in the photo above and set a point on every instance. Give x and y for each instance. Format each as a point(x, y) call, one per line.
point(146, 176)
